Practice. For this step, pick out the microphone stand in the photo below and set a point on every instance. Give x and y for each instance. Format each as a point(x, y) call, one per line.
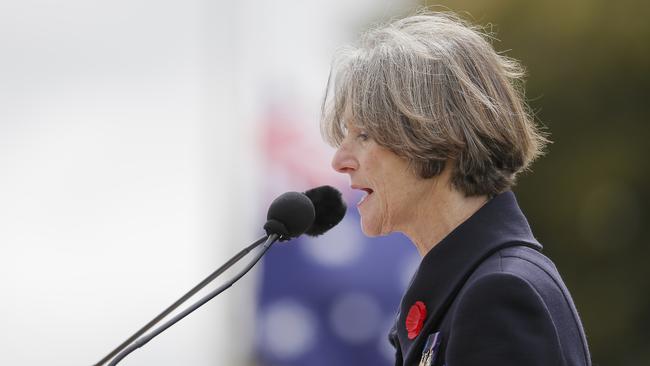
point(144, 340)
point(189, 294)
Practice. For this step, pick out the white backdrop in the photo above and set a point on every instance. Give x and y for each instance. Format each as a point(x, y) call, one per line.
point(126, 168)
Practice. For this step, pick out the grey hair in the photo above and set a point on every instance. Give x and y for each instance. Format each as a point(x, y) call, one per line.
point(432, 89)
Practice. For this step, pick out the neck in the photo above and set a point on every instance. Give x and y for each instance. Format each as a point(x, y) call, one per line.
point(444, 209)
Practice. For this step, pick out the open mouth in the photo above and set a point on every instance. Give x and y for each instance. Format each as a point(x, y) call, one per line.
point(365, 197)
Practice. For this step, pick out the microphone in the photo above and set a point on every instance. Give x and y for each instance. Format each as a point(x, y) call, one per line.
point(330, 209)
point(289, 215)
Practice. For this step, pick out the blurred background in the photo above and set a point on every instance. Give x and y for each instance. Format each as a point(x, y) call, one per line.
point(141, 142)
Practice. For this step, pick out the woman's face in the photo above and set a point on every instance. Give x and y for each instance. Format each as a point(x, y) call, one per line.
point(392, 188)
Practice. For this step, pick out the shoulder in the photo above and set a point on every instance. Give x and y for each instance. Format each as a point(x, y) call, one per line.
point(515, 306)
point(499, 297)
point(517, 273)
point(520, 261)
point(525, 269)
point(524, 276)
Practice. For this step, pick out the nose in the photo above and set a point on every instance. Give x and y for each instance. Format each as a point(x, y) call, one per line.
point(344, 161)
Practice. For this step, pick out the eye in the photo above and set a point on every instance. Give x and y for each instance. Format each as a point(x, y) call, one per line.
point(363, 136)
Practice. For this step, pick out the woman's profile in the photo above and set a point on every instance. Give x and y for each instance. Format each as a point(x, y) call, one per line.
point(430, 121)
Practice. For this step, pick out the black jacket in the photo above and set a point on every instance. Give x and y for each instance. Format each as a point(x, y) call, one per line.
point(485, 295)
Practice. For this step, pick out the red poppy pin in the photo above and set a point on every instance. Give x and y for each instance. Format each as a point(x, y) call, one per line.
point(415, 319)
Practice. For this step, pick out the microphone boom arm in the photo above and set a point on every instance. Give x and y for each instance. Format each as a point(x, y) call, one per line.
point(184, 298)
point(144, 340)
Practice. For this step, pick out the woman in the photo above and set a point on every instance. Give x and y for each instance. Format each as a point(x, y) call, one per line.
point(429, 121)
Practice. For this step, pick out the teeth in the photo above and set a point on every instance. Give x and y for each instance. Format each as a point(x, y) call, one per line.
point(362, 199)
point(367, 192)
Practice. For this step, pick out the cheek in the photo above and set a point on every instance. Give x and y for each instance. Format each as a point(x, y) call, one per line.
point(388, 190)
point(396, 203)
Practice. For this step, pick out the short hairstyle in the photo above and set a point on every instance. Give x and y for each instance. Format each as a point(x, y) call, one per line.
point(432, 89)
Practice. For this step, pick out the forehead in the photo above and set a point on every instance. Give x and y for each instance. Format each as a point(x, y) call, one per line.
point(349, 123)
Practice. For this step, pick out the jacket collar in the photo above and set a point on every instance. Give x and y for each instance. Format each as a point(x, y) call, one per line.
point(445, 268)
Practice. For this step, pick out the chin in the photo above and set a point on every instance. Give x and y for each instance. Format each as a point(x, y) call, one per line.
point(370, 234)
point(370, 229)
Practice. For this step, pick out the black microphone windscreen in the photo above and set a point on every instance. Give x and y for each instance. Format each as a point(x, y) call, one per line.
point(330, 209)
point(290, 215)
